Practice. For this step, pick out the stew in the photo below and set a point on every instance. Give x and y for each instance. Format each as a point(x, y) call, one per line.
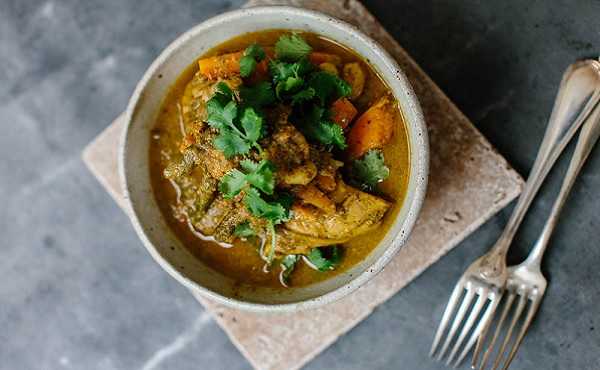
point(280, 158)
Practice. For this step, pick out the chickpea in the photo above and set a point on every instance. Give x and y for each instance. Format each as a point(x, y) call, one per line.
point(329, 67)
point(354, 75)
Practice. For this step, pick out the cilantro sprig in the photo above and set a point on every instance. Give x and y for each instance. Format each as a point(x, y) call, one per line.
point(259, 95)
point(308, 90)
point(257, 182)
point(315, 123)
point(368, 171)
point(239, 128)
point(289, 77)
point(291, 48)
point(252, 56)
point(325, 258)
point(258, 175)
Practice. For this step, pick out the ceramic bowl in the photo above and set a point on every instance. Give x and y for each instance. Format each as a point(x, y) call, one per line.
point(143, 108)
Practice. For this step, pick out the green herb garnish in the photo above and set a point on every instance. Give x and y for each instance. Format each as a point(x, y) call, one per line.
point(325, 258)
point(259, 95)
point(288, 263)
point(328, 87)
point(259, 175)
point(291, 48)
point(244, 230)
point(252, 55)
point(237, 132)
point(288, 77)
point(258, 183)
point(275, 212)
point(369, 170)
point(316, 125)
point(303, 96)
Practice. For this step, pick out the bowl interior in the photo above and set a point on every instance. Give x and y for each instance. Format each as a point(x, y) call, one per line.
point(142, 112)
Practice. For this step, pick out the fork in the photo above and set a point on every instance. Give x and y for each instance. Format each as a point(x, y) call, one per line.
point(485, 280)
point(526, 283)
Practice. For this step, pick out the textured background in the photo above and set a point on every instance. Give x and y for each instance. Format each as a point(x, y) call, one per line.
point(79, 291)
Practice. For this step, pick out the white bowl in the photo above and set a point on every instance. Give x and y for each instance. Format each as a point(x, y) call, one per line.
point(143, 108)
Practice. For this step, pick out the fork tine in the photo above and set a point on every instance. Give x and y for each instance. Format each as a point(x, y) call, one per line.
point(483, 336)
point(457, 321)
point(483, 322)
point(532, 310)
point(515, 319)
point(481, 299)
point(452, 302)
point(488, 351)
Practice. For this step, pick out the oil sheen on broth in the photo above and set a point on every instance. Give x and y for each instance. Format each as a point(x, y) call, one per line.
point(241, 261)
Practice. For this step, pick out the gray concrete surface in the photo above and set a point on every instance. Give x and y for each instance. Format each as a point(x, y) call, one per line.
point(78, 291)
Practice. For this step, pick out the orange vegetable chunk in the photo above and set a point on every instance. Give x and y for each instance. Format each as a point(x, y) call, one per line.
point(343, 112)
point(372, 130)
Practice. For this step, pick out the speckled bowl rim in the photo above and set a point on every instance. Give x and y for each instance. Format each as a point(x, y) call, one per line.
point(419, 170)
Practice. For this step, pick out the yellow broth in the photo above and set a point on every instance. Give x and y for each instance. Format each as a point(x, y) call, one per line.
point(242, 262)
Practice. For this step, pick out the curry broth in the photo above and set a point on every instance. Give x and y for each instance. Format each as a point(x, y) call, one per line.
point(242, 262)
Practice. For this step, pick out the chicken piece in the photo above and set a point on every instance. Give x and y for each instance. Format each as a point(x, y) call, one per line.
point(202, 153)
point(290, 242)
point(193, 107)
point(213, 159)
point(328, 169)
point(183, 165)
point(215, 214)
point(290, 152)
point(301, 175)
point(287, 147)
point(312, 195)
point(224, 231)
point(356, 213)
point(195, 191)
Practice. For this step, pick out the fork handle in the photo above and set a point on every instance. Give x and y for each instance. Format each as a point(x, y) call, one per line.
point(578, 94)
point(587, 139)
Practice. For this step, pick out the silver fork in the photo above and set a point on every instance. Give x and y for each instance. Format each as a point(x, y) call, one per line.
point(484, 281)
point(526, 283)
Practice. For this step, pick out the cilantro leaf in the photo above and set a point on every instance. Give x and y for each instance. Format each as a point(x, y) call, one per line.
point(231, 143)
point(285, 199)
point(255, 51)
point(369, 170)
point(303, 95)
point(288, 263)
point(244, 230)
point(260, 175)
point(252, 124)
point(274, 212)
point(258, 95)
point(220, 116)
point(318, 128)
point(328, 87)
point(291, 47)
point(288, 77)
point(325, 258)
point(223, 91)
point(247, 66)
point(252, 55)
point(327, 133)
point(232, 183)
point(233, 140)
